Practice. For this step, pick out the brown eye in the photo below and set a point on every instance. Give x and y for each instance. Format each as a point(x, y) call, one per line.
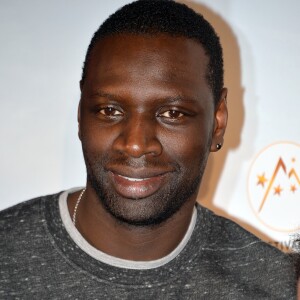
point(172, 114)
point(110, 112)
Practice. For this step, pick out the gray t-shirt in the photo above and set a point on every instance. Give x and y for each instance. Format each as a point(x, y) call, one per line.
point(41, 258)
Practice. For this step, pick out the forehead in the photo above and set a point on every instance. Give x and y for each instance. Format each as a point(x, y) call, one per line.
point(163, 59)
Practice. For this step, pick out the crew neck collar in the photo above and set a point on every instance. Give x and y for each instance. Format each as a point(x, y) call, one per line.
point(112, 260)
point(99, 270)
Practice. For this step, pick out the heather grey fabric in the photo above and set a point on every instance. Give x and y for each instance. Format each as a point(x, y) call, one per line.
point(39, 260)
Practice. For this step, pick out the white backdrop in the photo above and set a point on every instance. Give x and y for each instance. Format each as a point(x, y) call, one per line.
point(43, 44)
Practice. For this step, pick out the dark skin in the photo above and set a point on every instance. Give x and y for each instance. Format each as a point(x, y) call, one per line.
point(147, 122)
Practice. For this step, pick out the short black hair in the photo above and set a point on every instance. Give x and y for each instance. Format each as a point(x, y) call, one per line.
point(153, 17)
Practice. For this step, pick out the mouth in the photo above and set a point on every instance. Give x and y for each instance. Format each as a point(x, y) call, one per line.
point(137, 187)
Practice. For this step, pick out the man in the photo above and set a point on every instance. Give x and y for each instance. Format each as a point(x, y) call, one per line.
point(152, 107)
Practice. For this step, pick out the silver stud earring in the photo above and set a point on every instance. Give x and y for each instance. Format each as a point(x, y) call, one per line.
point(219, 146)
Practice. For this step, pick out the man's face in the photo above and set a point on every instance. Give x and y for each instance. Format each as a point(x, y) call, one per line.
point(146, 123)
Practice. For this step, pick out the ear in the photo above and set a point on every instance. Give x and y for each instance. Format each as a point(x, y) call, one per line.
point(81, 85)
point(78, 119)
point(221, 116)
point(78, 111)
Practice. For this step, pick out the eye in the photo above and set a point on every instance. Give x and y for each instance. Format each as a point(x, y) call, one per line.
point(110, 112)
point(171, 114)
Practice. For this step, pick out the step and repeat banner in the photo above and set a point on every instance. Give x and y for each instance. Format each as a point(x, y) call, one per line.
point(254, 179)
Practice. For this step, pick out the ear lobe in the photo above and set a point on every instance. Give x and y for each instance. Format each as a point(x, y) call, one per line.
point(221, 116)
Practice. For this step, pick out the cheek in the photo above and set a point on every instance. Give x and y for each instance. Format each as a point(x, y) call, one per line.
point(186, 146)
point(96, 140)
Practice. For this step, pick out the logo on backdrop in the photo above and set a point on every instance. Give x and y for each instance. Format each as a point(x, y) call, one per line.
point(274, 186)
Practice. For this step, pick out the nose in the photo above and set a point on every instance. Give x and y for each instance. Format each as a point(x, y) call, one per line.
point(138, 137)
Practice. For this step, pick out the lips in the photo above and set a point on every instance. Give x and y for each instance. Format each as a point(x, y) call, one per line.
point(137, 187)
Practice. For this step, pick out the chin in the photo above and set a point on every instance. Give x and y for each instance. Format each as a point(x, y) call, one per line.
point(140, 212)
point(149, 211)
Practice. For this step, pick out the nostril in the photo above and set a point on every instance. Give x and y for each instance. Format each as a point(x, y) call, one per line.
point(137, 145)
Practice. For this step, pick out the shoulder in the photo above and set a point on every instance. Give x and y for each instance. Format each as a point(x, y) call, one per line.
point(226, 230)
point(235, 255)
point(20, 216)
point(223, 230)
point(227, 237)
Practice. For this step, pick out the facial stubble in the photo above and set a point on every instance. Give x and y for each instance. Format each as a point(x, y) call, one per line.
point(149, 211)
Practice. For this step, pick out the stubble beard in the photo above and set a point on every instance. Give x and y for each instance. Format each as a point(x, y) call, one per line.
point(152, 210)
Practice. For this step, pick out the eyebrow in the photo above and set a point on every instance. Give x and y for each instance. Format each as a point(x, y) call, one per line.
point(170, 100)
point(105, 95)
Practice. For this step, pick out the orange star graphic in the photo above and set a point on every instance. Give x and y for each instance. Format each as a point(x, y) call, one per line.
point(277, 190)
point(293, 188)
point(261, 180)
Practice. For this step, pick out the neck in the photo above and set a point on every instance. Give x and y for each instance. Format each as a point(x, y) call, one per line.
point(138, 243)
